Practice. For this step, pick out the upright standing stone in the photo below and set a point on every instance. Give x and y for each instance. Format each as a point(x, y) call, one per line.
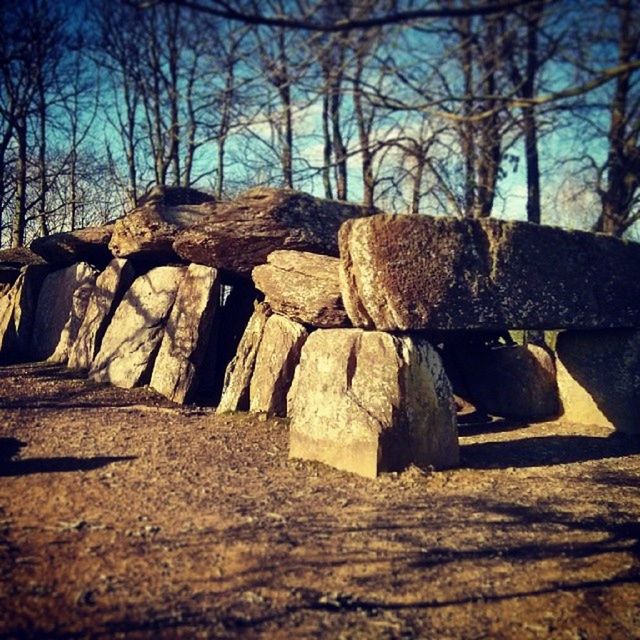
point(55, 304)
point(513, 381)
point(237, 379)
point(276, 360)
point(110, 286)
point(599, 378)
point(187, 334)
point(28, 287)
point(419, 272)
point(133, 337)
point(79, 303)
point(304, 287)
point(368, 402)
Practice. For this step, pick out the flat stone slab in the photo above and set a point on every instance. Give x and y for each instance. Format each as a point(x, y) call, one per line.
point(132, 339)
point(599, 378)
point(277, 358)
point(54, 308)
point(19, 257)
point(109, 289)
point(367, 401)
point(241, 233)
point(419, 272)
point(304, 287)
point(187, 334)
point(83, 245)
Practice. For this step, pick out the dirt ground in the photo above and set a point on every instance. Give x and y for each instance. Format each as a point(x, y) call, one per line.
point(124, 515)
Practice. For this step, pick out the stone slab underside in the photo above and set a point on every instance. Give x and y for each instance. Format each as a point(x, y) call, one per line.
point(421, 272)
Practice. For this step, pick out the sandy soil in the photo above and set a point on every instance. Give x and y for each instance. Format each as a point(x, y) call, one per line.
point(124, 515)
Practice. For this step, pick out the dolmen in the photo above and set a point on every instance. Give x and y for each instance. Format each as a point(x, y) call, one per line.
point(364, 330)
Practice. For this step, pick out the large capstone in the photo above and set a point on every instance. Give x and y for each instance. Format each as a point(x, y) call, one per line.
point(419, 272)
point(599, 378)
point(368, 402)
point(132, 339)
point(187, 334)
point(241, 233)
point(83, 245)
point(149, 230)
point(304, 287)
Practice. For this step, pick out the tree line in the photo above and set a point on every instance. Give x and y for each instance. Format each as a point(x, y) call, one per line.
point(443, 108)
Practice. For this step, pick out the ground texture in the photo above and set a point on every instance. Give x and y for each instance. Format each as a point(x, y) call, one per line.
point(124, 515)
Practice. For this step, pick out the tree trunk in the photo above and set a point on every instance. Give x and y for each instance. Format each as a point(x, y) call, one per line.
point(368, 181)
point(20, 213)
point(326, 149)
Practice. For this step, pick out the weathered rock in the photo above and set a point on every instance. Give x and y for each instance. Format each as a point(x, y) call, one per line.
point(7, 330)
point(79, 304)
point(133, 336)
point(419, 272)
point(55, 303)
point(368, 402)
point(187, 334)
point(109, 288)
point(28, 287)
point(599, 378)
point(304, 287)
point(149, 230)
point(276, 360)
point(512, 381)
point(237, 379)
point(238, 304)
point(83, 245)
point(19, 257)
point(243, 232)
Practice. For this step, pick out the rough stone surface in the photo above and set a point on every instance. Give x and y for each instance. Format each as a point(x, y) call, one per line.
point(19, 257)
point(28, 287)
point(237, 379)
point(420, 272)
point(599, 378)
point(149, 230)
point(244, 231)
point(276, 360)
point(109, 288)
point(187, 334)
point(368, 402)
point(134, 334)
point(54, 308)
point(304, 287)
point(83, 245)
point(513, 381)
point(79, 304)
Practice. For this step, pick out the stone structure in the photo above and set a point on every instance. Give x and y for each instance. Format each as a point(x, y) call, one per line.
point(83, 245)
point(368, 402)
point(237, 379)
point(187, 334)
point(149, 230)
point(131, 342)
point(55, 303)
point(599, 378)
point(109, 288)
point(276, 359)
point(304, 287)
point(244, 231)
point(418, 272)
point(513, 381)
